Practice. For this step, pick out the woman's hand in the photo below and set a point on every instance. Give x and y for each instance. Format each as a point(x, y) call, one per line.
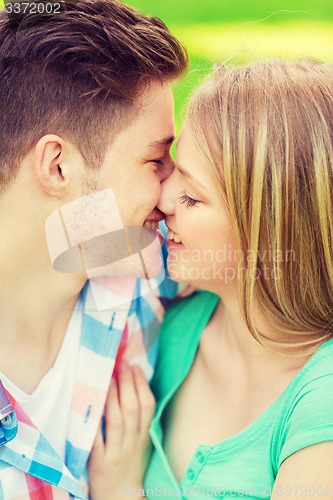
point(117, 465)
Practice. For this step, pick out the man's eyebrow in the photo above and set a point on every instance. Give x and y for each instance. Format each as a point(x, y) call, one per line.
point(165, 141)
point(187, 174)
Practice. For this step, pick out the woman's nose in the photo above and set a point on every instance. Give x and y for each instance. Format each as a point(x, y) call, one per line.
point(167, 200)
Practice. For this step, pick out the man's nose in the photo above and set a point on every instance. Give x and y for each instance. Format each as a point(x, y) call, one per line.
point(166, 170)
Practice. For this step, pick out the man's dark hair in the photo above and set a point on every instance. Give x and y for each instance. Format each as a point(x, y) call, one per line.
point(77, 74)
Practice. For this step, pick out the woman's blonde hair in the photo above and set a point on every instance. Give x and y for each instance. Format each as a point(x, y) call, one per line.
point(266, 132)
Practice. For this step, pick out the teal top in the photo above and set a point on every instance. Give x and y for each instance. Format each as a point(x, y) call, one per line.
point(246, 464)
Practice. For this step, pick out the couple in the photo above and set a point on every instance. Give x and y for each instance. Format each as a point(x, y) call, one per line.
point(243, 384)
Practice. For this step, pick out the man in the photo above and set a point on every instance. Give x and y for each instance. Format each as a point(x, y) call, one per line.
point(86, 107)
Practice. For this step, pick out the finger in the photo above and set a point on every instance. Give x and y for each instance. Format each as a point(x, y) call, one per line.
point(96, 457)
point(114, 429)
point(129, 404)
point(146, 400)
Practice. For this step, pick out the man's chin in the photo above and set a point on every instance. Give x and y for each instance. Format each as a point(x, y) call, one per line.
point(144, 258)
point(132, 267)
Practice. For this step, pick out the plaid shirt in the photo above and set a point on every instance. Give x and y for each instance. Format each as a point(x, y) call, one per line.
point(29, 466)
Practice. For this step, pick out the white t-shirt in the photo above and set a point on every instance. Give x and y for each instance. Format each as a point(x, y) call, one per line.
point(49, 405)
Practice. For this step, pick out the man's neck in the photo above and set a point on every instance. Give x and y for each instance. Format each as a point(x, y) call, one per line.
point(33, 321)
point(36, 303)
point(33, 295)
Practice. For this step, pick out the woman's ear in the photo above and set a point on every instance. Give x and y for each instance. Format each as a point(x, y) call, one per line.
point(57, 165)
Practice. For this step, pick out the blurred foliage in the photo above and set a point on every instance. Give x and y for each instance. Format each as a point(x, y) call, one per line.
point(216, 11)
point(238, 31)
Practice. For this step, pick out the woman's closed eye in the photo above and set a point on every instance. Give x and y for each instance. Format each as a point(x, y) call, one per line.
point(190, 202)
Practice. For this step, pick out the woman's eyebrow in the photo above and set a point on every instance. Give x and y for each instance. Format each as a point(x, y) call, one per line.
point(187, 174)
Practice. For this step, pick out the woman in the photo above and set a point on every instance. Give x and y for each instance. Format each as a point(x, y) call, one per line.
point(244, 384)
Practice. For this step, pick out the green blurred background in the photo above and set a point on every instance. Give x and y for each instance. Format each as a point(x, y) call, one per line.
point(243, 30)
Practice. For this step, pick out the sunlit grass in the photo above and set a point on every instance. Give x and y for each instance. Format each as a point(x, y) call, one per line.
point(240, 43)
point(217, 11)
point(248, 41)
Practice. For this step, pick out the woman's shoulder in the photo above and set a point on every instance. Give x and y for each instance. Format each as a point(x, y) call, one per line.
point(313, 380)
point(307, 418)
point(319, 364)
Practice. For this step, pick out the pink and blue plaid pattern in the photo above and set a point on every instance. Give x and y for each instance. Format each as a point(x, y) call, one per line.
point(29, 466)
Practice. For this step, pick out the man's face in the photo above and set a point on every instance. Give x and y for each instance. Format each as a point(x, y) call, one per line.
point(126, 191)
point(139, 159)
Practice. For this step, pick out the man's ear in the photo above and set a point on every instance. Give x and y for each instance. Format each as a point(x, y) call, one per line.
point(54, 168)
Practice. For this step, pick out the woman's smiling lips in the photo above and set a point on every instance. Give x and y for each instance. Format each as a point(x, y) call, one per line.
point(173, 239)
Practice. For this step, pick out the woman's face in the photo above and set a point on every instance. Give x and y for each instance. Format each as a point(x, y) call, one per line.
point(200, 242)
